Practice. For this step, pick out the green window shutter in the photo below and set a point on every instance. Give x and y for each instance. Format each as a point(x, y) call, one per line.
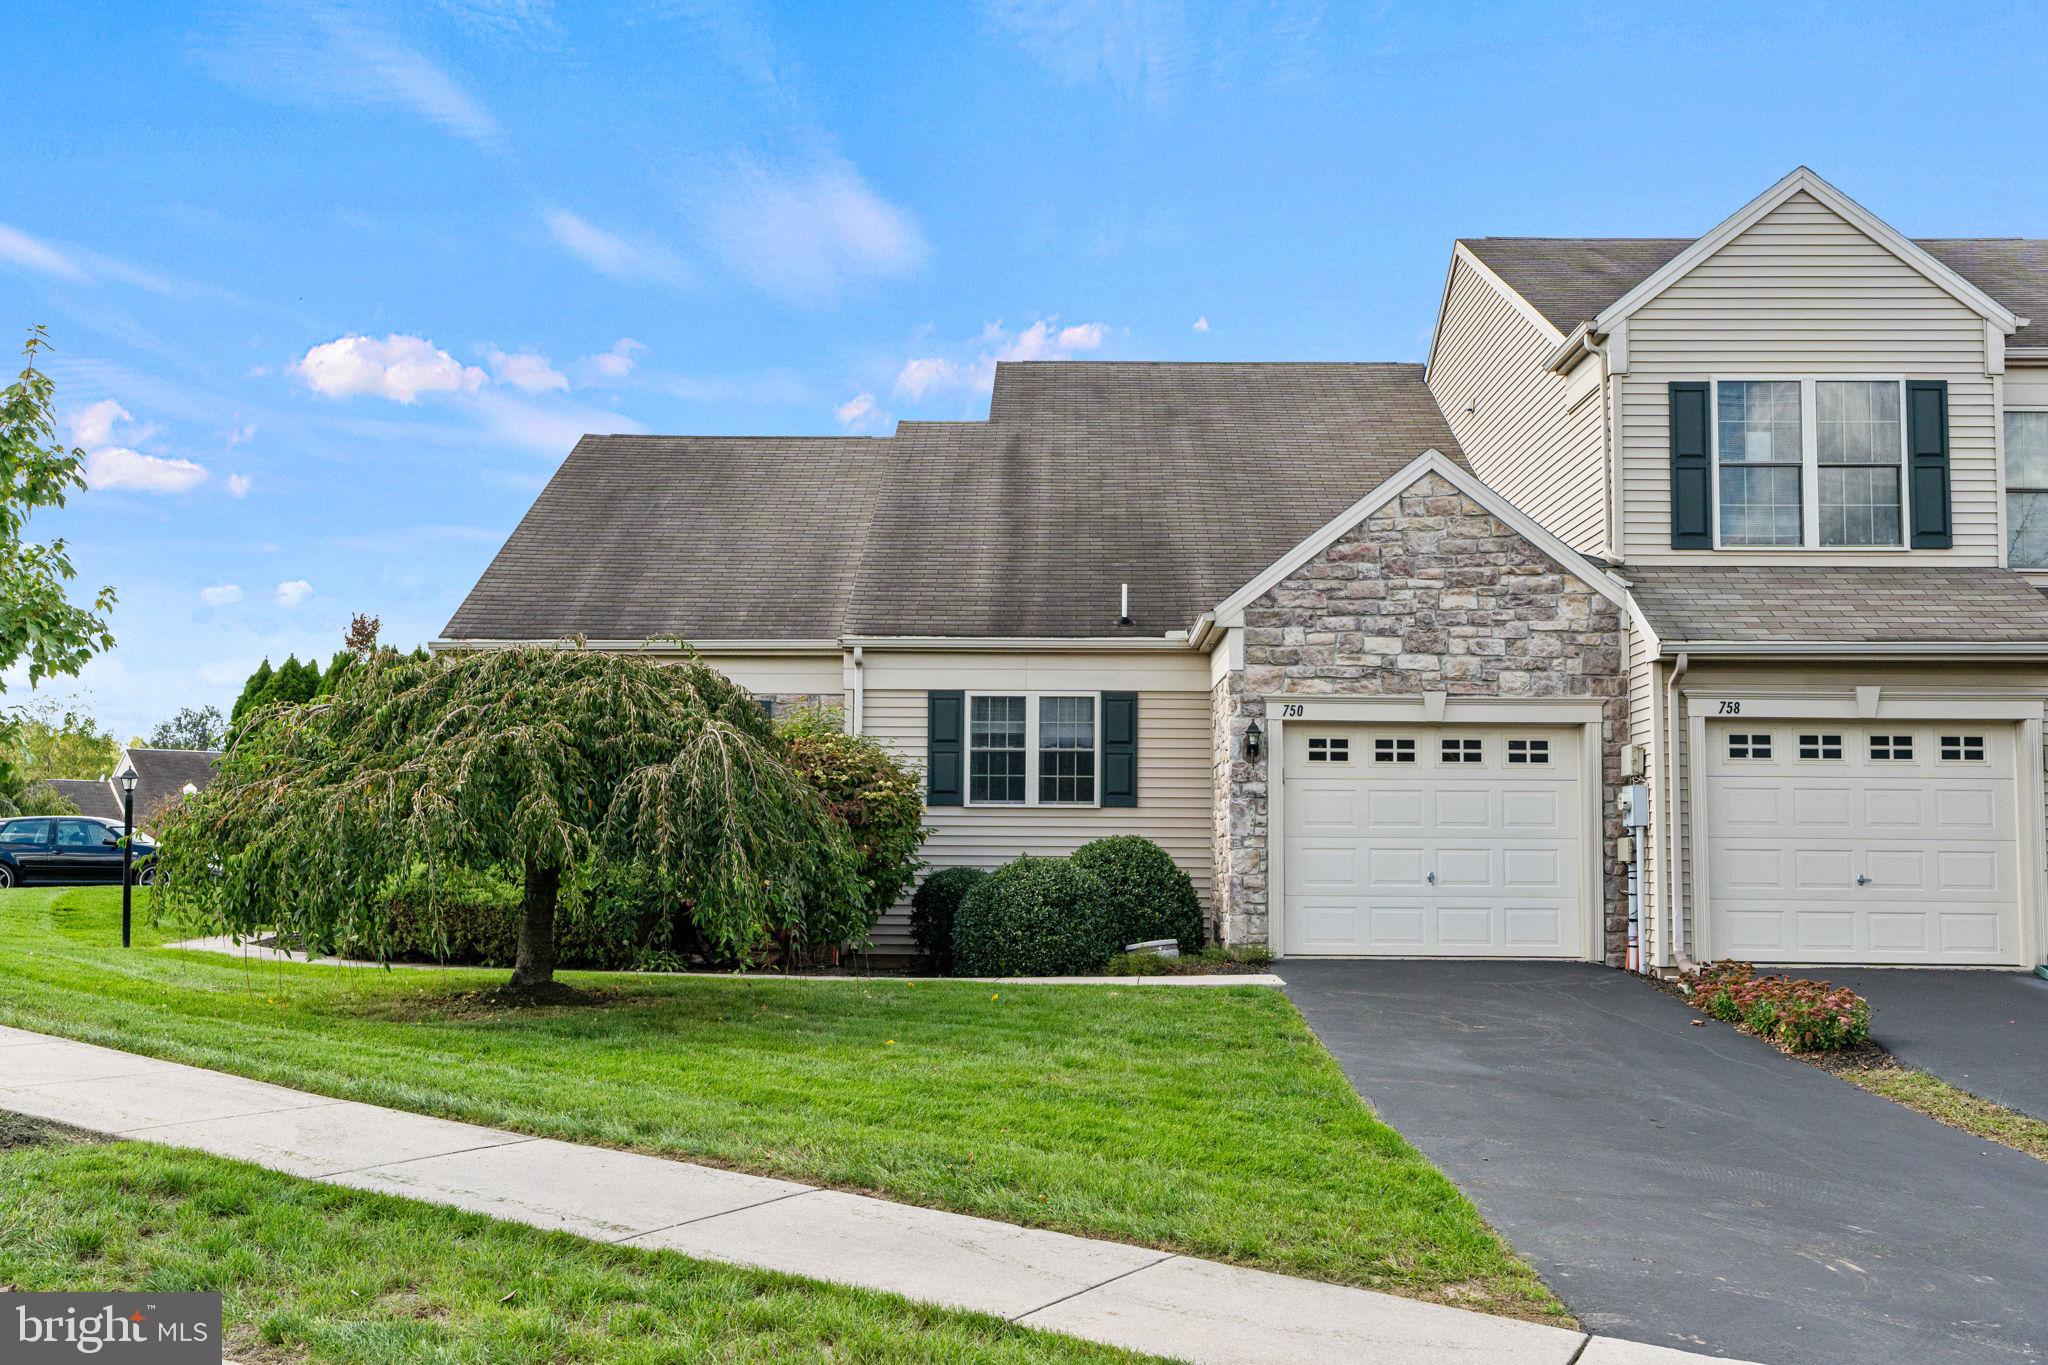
point(1927, 463)
point(1692, 469)
point(1119, 748)
point(945, 760)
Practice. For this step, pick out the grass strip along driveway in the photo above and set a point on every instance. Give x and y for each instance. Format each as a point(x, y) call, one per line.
point(1207, 1122)
point(316, 1272)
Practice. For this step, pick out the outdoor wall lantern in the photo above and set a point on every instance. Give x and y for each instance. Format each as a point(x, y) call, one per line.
point(1254, 739)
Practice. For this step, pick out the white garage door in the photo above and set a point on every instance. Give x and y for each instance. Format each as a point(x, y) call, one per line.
point(1420, 841)
point(1862, 842)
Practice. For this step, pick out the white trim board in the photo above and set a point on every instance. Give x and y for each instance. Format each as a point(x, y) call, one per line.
point(1804, 180)
point(1230, 612)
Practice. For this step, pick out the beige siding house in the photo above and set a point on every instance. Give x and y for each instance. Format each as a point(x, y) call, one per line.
point(1687, 603)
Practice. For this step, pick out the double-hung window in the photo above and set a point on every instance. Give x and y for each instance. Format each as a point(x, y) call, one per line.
point(1033, 750)
point(1801, 463)
point(2026, 489)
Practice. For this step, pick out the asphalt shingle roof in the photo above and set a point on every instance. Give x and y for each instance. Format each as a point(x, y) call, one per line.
point(92, 796)
point(1840, 605)
point(706, 537)
point(1570, 279)
point(1183, 480)
point(161, 775)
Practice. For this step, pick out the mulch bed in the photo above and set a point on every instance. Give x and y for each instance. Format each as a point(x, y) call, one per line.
point(1865, 1056)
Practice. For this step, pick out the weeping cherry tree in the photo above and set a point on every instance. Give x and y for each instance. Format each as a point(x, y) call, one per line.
point(526, 762)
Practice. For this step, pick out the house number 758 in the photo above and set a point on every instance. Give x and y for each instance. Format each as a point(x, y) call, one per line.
point(1730, 708)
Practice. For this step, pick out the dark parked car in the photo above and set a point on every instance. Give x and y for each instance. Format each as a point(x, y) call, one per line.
point(51, 849)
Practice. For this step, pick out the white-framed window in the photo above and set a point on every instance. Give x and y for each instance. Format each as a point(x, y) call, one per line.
point(1329, 749)
point(1462, 751)
point(1824, 747)
point(2026, 488)
point(1810, 462)
point(1755, 744)
point(1531, 751)
point(1388, 750)
point(1962, 748)
point(1033, 749)
point(1891, 748)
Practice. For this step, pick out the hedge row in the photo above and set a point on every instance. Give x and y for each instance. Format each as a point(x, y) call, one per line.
point(1055, 916)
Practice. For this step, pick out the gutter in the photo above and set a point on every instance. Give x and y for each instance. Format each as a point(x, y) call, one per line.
point(1199, 633)
point(1835, 649)
point(652, 645)
point(1583, 341)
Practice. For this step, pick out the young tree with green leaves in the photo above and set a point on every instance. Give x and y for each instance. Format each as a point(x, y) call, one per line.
point(38, 620)
point(528, 762)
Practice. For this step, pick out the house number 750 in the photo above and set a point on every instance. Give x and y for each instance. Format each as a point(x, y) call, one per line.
point(1730, 708)
point(1289, 708)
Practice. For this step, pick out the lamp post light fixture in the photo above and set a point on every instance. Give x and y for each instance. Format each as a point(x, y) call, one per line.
point(127, 853)
point(1254, 740)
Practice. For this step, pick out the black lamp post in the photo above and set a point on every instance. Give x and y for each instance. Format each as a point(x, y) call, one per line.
point(127, 853)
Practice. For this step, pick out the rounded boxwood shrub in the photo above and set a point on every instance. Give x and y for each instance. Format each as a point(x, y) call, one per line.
point(934, 908)
point(1149, 896)
point(1034, 917)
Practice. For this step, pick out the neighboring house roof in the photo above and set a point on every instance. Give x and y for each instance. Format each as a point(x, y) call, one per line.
point(1183, 480)
point(1569, 280)
point(95, 796)
point(703, 537)
point(1824, 604)
point(161, 775)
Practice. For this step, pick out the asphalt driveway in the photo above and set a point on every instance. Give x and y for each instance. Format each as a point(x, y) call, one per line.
point(1984, 1032)
point(1688, 1186)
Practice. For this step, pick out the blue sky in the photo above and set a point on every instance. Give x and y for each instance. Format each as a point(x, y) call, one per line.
point(335, 286)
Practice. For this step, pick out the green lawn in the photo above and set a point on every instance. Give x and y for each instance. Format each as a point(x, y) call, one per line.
point(317, 1272)
point(1207, 1121)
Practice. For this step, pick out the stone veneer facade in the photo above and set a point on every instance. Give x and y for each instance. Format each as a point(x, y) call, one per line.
point(1431, 593)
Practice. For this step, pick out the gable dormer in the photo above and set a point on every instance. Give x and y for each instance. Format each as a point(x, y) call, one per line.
point(1801, 383)
point(1804, 381)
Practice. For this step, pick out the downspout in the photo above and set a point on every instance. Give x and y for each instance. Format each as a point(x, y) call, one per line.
point(1675, 861)
point(1596, 342)
point(859, 691)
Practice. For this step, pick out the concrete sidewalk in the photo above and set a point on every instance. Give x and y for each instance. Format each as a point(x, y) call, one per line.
point(1134, 1297)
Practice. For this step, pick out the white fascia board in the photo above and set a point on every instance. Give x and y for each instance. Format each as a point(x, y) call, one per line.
point(1042, 644)
point(1641, 625)
point(1835, 649)
point(1461, 252)
point(1230, 612)
point(648, 646)
point(1746, 217)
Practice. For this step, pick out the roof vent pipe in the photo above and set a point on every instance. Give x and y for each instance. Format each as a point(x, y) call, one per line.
point(1123, 608)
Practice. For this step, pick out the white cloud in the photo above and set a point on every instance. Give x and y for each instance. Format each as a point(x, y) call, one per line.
point(921, 375)
point(1044, 339)
point(400, 368)
point(93, 425)
point(861, 413)
point(292, 592)
point(220, 594)
point(610, 254)
point(23, 250)
point(527, 371)
point(120, 467)
point(616, 363)
point(551, 429)
point(77, 265)
point(328, 54)
point(807, 237)
point(1202, 323)
point(1041, 341)
point(239, 484)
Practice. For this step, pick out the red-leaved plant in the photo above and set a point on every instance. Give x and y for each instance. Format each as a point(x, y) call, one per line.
point(1797, 1015)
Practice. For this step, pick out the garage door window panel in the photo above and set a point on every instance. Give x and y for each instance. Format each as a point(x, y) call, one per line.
point(1824, 747)
point(1463, 751)
point(1387, 750)
point(1891, 748)
point(1750, 745)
